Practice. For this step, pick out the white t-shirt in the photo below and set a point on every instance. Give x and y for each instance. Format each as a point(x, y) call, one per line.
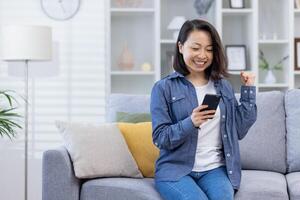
point(209, 153)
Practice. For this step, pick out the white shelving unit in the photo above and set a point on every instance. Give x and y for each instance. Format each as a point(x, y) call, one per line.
point(131, 41)
point(144, 29)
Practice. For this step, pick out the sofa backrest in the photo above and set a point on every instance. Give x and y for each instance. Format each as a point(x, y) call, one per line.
point(264, 146)
point(292, 109)
point(126, 103)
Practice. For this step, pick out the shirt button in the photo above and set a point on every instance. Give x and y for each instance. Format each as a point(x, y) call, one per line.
point(223, 116)
point(228, 155)
point(225, 136)
point(173, 98)
point(251, 91)
point(245, 91)
point(156, 143)
point(230, 172)
point(251, 104)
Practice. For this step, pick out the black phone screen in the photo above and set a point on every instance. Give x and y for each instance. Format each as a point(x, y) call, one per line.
point(212, 100)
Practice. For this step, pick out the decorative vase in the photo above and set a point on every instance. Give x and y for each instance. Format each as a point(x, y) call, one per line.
point(270, 78)
point(126, 61)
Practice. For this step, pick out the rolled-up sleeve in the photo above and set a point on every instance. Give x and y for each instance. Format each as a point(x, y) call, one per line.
point(166, 135)
point(246, 111)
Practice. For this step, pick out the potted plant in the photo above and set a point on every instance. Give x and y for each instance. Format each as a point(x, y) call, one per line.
point(8, 116)
point(264, 65)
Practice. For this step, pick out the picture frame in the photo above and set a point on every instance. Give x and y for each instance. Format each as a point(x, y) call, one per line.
point(236, 56)
point(297, 53)
point(237, 3)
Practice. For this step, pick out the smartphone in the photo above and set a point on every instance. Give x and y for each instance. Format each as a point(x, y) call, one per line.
point(212, 100)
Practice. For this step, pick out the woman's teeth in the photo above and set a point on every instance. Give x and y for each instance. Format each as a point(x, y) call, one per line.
point(199, 62)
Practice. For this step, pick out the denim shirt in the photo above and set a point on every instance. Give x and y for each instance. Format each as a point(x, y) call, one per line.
point(172, 102)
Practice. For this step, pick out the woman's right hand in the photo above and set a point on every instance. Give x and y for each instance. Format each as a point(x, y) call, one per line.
point(199, 117)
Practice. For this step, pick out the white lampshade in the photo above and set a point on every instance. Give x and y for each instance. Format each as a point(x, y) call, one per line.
point(26, 43)
point(38, 68)
point(176, 23)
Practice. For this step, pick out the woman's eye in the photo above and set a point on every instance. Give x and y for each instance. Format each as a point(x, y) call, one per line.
point(209, 50)
point(195, 49)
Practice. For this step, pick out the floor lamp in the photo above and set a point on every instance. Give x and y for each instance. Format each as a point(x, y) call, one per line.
point(26, 43)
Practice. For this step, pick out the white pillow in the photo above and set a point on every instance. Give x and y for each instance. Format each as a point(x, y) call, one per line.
point(98, 150)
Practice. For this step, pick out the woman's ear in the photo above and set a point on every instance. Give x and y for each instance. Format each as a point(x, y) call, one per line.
point(180, 47)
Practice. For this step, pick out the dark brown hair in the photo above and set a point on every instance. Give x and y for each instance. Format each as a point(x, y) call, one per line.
point(218, 68)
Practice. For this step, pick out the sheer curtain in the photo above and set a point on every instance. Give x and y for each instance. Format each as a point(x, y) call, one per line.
point(75, 92)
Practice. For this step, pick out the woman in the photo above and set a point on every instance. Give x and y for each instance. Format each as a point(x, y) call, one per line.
point(199, 152)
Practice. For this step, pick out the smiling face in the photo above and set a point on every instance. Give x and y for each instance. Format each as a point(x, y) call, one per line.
point(197, 51)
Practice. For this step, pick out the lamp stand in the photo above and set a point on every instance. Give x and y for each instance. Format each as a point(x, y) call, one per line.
point(26, 132)
point(25, 43)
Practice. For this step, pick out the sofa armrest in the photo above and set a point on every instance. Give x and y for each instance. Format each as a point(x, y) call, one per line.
point(59, 181)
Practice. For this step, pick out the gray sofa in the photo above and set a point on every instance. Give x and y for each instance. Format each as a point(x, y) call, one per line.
point(270, 157)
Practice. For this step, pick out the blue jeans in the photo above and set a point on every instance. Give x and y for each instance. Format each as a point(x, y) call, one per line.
point(209, 185)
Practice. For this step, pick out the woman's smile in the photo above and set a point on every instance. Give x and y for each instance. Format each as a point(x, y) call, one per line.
point(200, 63)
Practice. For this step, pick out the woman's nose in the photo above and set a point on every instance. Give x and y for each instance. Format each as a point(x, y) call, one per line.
point(201, 54)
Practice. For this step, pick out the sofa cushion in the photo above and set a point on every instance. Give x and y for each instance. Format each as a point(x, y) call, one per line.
point(139, 140)
point(264, 148)
point(126, 103)
point(133, 117)
point(293, 182)
point(98, 150)
point(262, 185)
point(292, 108)
point(119, 189)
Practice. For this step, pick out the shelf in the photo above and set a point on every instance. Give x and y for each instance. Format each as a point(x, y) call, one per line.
point(234, 72)
point(131, 73)
point(239, 72)
point(275, 85)
point(273, 41)
point(131, 11)
point(297, 11)
point(297, 72)
point(228, 11)
point(167, 41)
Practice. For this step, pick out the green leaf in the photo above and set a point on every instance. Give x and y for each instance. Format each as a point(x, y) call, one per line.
point(8, 96)
point(279, 64)
point(8, 116)
point(4, 132)
point(263, 63)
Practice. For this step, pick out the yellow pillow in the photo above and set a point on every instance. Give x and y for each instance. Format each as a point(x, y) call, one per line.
point(138, 137)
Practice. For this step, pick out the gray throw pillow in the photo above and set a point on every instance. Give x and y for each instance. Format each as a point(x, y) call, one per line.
point(98, 150)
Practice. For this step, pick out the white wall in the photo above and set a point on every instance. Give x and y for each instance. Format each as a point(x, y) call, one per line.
point(75, 93)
